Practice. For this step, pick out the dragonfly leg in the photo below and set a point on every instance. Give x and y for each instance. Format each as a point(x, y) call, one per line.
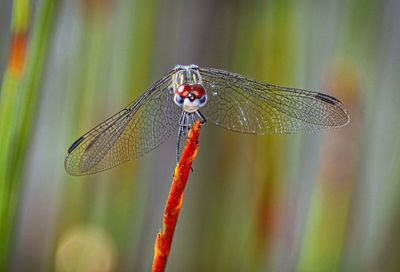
point(202, 119)
point(194, 118)
point(184, 125)
point(193, 121)
point(178, 143)
point(182, 121)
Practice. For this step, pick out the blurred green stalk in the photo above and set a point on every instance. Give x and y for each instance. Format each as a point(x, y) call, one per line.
point(19, 92)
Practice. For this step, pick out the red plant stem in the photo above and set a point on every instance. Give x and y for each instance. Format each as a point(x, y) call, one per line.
point(175, 199)
point(17, 53)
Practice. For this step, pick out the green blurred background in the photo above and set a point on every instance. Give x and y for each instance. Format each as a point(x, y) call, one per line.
point(320, 202)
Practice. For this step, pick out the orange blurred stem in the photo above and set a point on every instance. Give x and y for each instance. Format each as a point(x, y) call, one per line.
point(175, 199)
point(18, 46)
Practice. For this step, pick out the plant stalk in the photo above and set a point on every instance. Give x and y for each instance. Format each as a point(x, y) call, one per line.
point(175, 199)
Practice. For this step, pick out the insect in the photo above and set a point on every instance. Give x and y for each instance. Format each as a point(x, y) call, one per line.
point(190, 93)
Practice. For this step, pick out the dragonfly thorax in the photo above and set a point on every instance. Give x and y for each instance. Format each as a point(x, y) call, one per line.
point(189, 93)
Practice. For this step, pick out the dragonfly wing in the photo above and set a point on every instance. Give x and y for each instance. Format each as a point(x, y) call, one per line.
point(142, 126)
point(246, 105)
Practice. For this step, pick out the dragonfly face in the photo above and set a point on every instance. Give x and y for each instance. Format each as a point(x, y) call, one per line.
point(189, 93)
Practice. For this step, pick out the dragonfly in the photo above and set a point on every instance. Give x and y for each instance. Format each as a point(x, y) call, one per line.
point(189, 93)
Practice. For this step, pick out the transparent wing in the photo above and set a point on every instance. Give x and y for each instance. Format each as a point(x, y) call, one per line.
point(249, 106)
point(132, 132)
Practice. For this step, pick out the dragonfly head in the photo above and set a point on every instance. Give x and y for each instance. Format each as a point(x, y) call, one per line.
point(189, 91)
point(190, 97)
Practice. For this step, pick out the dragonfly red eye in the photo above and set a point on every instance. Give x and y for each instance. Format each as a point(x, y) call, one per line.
point(183, 90)
point(198, 90)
